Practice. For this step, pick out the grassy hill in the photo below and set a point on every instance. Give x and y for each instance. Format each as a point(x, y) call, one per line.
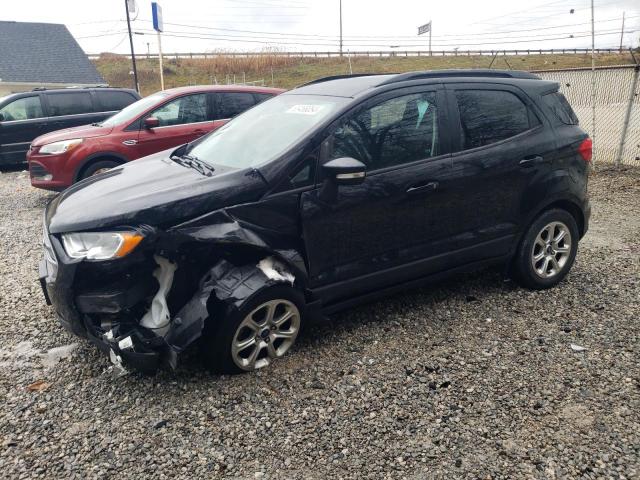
point(288, 72)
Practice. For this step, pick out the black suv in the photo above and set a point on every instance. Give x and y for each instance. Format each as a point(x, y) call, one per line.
point(25, 116)
point(329, 195)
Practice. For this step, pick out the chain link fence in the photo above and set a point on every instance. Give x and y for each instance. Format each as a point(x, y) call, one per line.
point(617, 112)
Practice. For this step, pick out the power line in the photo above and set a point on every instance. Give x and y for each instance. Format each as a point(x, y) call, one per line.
point(390, 37)
point(354, 44)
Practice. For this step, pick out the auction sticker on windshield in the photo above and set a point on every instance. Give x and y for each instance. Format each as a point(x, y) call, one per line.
point(305, 109)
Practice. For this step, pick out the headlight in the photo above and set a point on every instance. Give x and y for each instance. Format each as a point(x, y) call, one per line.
point(57, 148)
point(100, 245)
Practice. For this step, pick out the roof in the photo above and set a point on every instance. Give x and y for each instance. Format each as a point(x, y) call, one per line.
point(223, 88)
point(43, 53)
point(342, 87)
point(353, 85)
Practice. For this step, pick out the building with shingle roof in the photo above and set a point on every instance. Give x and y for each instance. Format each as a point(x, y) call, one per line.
point(42, 55)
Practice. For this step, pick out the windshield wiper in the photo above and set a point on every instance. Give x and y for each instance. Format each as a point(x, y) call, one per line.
point(96, 124)
point(195, 163)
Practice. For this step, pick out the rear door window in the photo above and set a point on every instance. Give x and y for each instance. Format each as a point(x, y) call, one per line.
point(111, 101)
point(489, 116)
point(69, 103)
point(228, 105)
point(24, 108)
point(560, 107)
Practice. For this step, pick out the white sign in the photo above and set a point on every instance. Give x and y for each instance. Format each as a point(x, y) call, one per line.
point(305, 109)
point(426, 28)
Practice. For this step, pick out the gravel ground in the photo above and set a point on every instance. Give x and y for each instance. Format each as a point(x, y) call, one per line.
point(475, 378)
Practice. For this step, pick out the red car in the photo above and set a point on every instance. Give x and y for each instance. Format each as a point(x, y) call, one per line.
point(160, 121)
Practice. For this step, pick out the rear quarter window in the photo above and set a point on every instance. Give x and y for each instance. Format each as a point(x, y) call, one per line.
point(112, 101)
point(559, 106)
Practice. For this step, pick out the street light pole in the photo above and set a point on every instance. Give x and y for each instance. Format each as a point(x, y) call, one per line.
point(340, 27)
point(622, 32)
point(133, 55)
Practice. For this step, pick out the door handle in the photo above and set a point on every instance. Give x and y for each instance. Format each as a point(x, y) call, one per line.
point(532, 160)
point(423, 189)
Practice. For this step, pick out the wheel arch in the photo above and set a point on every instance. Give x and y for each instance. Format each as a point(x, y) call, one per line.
point(98, 156)
point(571, 207)
point(564, 203)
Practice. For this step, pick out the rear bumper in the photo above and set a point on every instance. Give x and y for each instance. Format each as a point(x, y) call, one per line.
point(586, 212)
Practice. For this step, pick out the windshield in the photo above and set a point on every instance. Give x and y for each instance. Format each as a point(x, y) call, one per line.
point(130, 112)
point(266, 131)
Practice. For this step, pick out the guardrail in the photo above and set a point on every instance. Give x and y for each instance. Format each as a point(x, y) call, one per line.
point(385, 53)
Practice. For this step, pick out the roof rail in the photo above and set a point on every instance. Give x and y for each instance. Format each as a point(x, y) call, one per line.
point(71, 87)
point(480, 72)
point(339, 77)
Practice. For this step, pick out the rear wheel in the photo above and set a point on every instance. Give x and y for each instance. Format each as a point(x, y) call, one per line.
point(253, 336)
point(547, 251)
point(98, 167)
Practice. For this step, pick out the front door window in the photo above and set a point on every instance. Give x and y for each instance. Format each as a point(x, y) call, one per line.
point(25, 108)
point(398, 131)
point(187, 109)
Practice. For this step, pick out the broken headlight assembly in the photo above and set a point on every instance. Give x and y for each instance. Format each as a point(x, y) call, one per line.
point(100, 245)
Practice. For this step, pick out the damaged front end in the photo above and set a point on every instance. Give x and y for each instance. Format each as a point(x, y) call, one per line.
point(146, 308)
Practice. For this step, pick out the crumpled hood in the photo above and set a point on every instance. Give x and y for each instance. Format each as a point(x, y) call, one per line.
point(83, 131)
point(153, 191)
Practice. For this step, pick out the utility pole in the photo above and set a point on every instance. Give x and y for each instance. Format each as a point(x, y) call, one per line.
point(593, 79)
point(133, 55)
point(340, 27)
point(622, 32)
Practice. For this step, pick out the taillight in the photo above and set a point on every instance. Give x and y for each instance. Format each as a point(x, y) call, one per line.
point(586, 149)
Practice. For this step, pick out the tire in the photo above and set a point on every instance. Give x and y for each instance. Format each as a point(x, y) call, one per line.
point(217, 348)
point(542, 262)
point(98, 167)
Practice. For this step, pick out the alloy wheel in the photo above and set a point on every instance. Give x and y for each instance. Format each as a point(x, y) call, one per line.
point(551, 250)
point(265, 334)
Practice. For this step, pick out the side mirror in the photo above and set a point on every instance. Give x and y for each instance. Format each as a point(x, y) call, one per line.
point(151, 122)
point(345, 171)
point(1, 117)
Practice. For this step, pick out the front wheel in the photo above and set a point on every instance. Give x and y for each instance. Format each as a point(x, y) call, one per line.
point(98, 167)
point(547, 251)
point(253, 336)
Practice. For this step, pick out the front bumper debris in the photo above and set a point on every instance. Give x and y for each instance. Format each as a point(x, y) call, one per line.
point(145, 309)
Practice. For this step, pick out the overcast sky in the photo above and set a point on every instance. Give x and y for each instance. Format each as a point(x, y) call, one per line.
point(250, 25)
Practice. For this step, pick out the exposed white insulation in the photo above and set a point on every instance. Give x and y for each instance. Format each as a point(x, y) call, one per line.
point(158, 317)
point(275, 270)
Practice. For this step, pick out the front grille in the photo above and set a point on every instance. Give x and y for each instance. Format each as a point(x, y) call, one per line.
point(37, 170)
